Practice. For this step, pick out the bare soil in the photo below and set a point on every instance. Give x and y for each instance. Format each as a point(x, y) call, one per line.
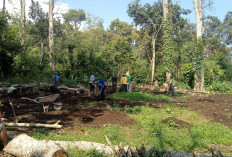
point(217, 107)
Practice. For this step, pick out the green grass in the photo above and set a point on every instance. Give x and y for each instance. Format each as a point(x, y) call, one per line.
point(139, 96)
point(91, 153)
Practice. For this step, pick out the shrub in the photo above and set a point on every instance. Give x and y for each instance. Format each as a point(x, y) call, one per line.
point(221, 87)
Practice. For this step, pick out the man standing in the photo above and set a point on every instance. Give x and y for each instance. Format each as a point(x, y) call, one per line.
point(128, 83)
point(171, 86)
point(124, 83)
point(56, 79)
point(114, 83)
point(92, 78)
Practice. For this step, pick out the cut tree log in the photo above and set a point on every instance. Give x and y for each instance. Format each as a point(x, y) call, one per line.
point(56, 125)
point(24, 145)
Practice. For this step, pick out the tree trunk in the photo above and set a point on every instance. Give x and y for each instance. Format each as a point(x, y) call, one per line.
point(50, 37)
point(165, 9)
point(153, 59)
point(42, 53)
point(23, 20)
point(198, 15)
point(199, 80)
point(4, 6)
point(24, 145)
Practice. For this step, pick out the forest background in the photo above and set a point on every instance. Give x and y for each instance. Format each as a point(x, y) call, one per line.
point(79, 52)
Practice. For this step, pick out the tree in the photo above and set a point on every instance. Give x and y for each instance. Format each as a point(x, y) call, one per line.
point(227, 29)
point(10, 45)
point(199, 56)
point(120, 28)
point(75, 17)
point(39, 28)
point(50, 37)
point(168, 49)
point(23, 21)
point(150, 19)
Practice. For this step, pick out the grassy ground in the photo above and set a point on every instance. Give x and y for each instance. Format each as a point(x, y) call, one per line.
point(149, 129)
point(139, 96)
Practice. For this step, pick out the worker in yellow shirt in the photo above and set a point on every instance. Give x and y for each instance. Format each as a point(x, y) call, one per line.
point(124, 83)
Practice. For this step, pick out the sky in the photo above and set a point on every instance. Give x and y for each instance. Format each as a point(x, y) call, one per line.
point(109, 10)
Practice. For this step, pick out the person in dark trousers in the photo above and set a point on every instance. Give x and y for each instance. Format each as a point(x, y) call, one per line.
point(124, 83)
point(102, 86)
point(56, 79)
point(114, 83)
point(92, 78)
point(171, 86)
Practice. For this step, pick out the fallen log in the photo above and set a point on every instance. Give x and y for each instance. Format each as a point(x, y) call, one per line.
point(24, 145)
point(56, 125)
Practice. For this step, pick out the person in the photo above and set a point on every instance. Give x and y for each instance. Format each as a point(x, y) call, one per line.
point(171, 86)
point(114, 83)
point(56, 79)
point(102, 86)
point(124, 83)
point(128, 83)
point(92, 78)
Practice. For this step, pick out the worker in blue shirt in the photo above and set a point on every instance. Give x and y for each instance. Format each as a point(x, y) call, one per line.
point(102, 86)
point(56, 79)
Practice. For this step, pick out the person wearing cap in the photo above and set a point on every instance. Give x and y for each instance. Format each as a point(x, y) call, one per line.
point(124, 83)
point(56, 79)
point(171, 86)
point(92, 78)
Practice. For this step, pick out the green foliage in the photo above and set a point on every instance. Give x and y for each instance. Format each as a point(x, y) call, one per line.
point(75, 17)
point(187, 74)
point(168, 47)
point(198, 58)
point(10, 45)
point(221, 87)
point(182, 85)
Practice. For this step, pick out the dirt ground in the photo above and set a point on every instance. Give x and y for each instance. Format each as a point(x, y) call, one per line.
point(76, 111)
point(80, 109)
point(217, 107)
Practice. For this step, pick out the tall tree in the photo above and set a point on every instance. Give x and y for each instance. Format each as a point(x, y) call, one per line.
point(168, 49)
point(23, 21)
point(50, 36)
point(4, 6)
point(150, 18)
point(199, 55)
point(165, 9)
point(75, 17)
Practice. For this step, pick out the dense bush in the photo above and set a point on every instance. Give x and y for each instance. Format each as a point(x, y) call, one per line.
point(221, 87)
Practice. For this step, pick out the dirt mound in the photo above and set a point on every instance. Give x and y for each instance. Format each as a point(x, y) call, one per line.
point(217, 108)
point(176, 123)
